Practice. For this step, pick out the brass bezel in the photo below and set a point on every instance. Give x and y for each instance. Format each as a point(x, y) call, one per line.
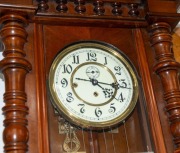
point(66, 113)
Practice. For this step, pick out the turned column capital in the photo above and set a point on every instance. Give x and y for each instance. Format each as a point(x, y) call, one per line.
point(14, 35)
point(159, 27)
point(13, 17)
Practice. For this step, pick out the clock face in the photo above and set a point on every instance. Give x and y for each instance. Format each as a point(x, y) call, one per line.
point(93, 85)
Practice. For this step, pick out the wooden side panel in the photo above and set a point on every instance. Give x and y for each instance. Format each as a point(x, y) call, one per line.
point(36, 92)
point(31, 91)
point(41, 81)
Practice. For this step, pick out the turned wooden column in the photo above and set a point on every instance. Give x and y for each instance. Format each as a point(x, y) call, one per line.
point(168, 70)
point(14, 67)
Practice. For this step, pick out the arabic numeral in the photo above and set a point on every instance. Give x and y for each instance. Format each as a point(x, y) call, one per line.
point(105, 59)
point(64, 83)
point(112, 108)
point(75, 60)
point(121, 98)
point(67, 68)
point(69, 97)
point(91, 56)
point(123, 84)
point(118, 70)
point(82, 110)
point(98, 112)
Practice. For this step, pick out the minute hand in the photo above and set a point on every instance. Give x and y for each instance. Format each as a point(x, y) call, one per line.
point(114, 85)
point(83, 79)
point(98, 81)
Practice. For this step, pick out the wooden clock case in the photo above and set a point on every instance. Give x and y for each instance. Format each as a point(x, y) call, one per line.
point(32, 33)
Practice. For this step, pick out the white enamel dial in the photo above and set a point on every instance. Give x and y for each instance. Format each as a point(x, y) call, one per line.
point(92, 85)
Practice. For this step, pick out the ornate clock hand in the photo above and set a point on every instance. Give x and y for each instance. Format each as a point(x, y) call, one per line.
point(96, 82)
point(107, 92)
point(114, 85)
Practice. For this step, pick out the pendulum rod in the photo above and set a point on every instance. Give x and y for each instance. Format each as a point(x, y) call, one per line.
point(84, 145)
point(104, 134)
point(112, 136)
point(93, 142)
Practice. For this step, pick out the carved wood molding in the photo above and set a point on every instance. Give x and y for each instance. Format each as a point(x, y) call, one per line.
point(91, 8)
point(14, 67)
point(168, 70)
point(92, 13)
point(41, 100)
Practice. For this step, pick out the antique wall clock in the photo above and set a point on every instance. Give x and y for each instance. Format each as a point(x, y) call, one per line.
point(101, 104)
point(93, 84)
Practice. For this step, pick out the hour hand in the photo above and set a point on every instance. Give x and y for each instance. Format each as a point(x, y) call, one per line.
point(113, 85)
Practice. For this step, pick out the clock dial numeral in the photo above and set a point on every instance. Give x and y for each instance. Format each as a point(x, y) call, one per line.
point(82, 110)
point(123, 84)
point(120, 98)
point(98, 112)
point(69, 97)
point(91, 57)
point(112, 108)
point(75, 59)
point(67, 68)
point(64, 83)
point(118, 70)
point(105, 61)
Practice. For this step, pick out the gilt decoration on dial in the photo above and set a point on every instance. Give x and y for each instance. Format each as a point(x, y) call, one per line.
point(93, 84)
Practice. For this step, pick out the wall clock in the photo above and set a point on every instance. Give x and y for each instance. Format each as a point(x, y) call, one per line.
point(93, 85)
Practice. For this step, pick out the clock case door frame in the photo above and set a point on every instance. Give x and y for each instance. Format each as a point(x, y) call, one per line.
point(135, 33)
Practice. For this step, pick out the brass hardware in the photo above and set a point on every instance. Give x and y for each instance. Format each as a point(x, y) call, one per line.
point(71, 143)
